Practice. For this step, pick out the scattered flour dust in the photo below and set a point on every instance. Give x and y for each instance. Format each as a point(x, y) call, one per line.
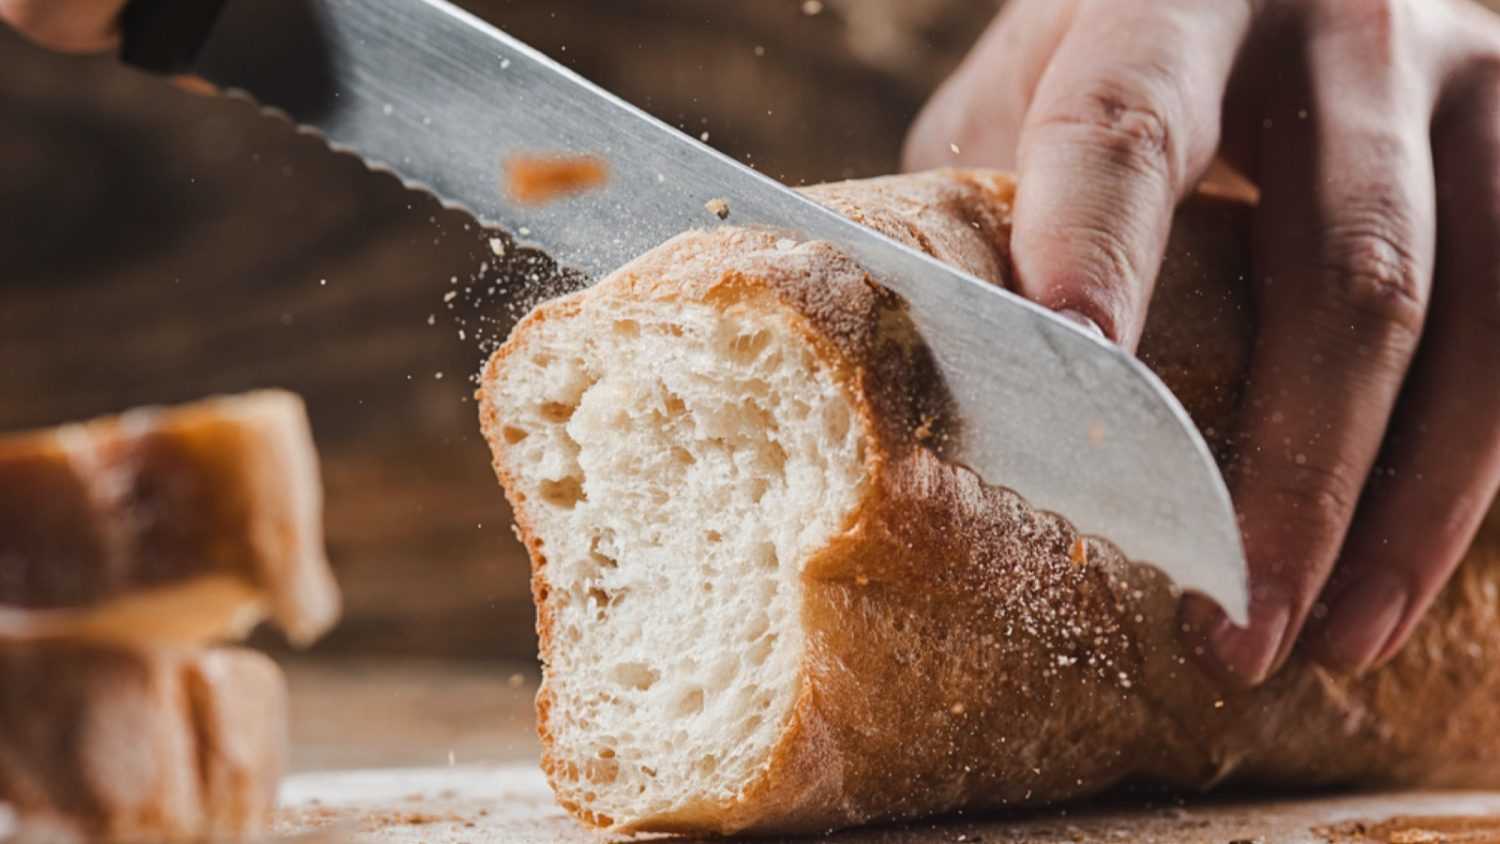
point(507, 281)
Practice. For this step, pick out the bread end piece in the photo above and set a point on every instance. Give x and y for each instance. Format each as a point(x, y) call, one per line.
point(119, 744)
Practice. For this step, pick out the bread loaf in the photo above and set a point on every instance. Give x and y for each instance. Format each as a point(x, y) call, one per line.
point(178, 524)
point(126, 545)
point(766, 603)
point(120, 744)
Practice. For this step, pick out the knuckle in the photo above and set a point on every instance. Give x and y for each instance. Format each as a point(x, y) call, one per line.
point(1320, 500)
point(1374, 282)
point(1132, 127)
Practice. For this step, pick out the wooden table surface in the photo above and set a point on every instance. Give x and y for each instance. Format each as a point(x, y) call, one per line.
point(429, 751)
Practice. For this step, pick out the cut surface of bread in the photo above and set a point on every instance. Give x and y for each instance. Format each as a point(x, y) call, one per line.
point(765, 603)
point(681, 462)
point(116, 743)
point(103, 522)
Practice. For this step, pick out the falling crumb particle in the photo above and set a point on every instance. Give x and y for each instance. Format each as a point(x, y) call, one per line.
point(535, 179)
point(812, 7)
point(432, 319)
point(461, 335)
point(438, 376)
point(450, 295)
point(323, 281)
point(497, 246)
point(759, 50)
point(1079, 552)
point(954, 148)
point(1218, 704)
point(704, 137)
point(718, 207)
point(1096, 433)
point(923, 432)
point(516, 680)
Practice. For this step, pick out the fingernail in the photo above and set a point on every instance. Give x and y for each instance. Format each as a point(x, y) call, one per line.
point(1360, 622)
point(1249, 653)
point(1079, 318)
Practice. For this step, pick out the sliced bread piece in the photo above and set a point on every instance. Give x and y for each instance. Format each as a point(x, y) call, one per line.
point(165, 524)
point(765, 603)
point(99, 742)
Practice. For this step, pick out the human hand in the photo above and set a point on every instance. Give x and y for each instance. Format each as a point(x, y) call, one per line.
point(69, 26)
point(1370, 446)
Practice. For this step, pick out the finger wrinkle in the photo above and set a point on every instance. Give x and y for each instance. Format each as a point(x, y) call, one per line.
point(1372, 276)
point(1304, 508)
point(1136, 134)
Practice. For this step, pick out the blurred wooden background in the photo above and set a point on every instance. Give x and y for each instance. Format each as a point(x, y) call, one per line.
point(157, 246)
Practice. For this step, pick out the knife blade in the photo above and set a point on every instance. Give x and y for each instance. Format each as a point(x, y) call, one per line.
point(439, 97)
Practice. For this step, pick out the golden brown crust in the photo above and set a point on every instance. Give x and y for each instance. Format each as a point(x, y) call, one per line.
point(1032, 670)
point(120, 744)
point(156, 498)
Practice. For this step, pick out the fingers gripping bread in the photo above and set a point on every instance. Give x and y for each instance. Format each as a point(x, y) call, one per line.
point(766, 603)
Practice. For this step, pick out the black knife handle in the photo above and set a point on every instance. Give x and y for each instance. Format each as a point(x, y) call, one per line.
point(164, 36)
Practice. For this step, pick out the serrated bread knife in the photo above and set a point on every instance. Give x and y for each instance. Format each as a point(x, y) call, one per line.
point(439, 97)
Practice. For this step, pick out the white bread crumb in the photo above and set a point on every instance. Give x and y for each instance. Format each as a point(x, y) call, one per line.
point(677, 468)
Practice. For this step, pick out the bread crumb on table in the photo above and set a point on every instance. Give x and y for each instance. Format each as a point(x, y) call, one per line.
point(718, 207)
point(536, 179)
